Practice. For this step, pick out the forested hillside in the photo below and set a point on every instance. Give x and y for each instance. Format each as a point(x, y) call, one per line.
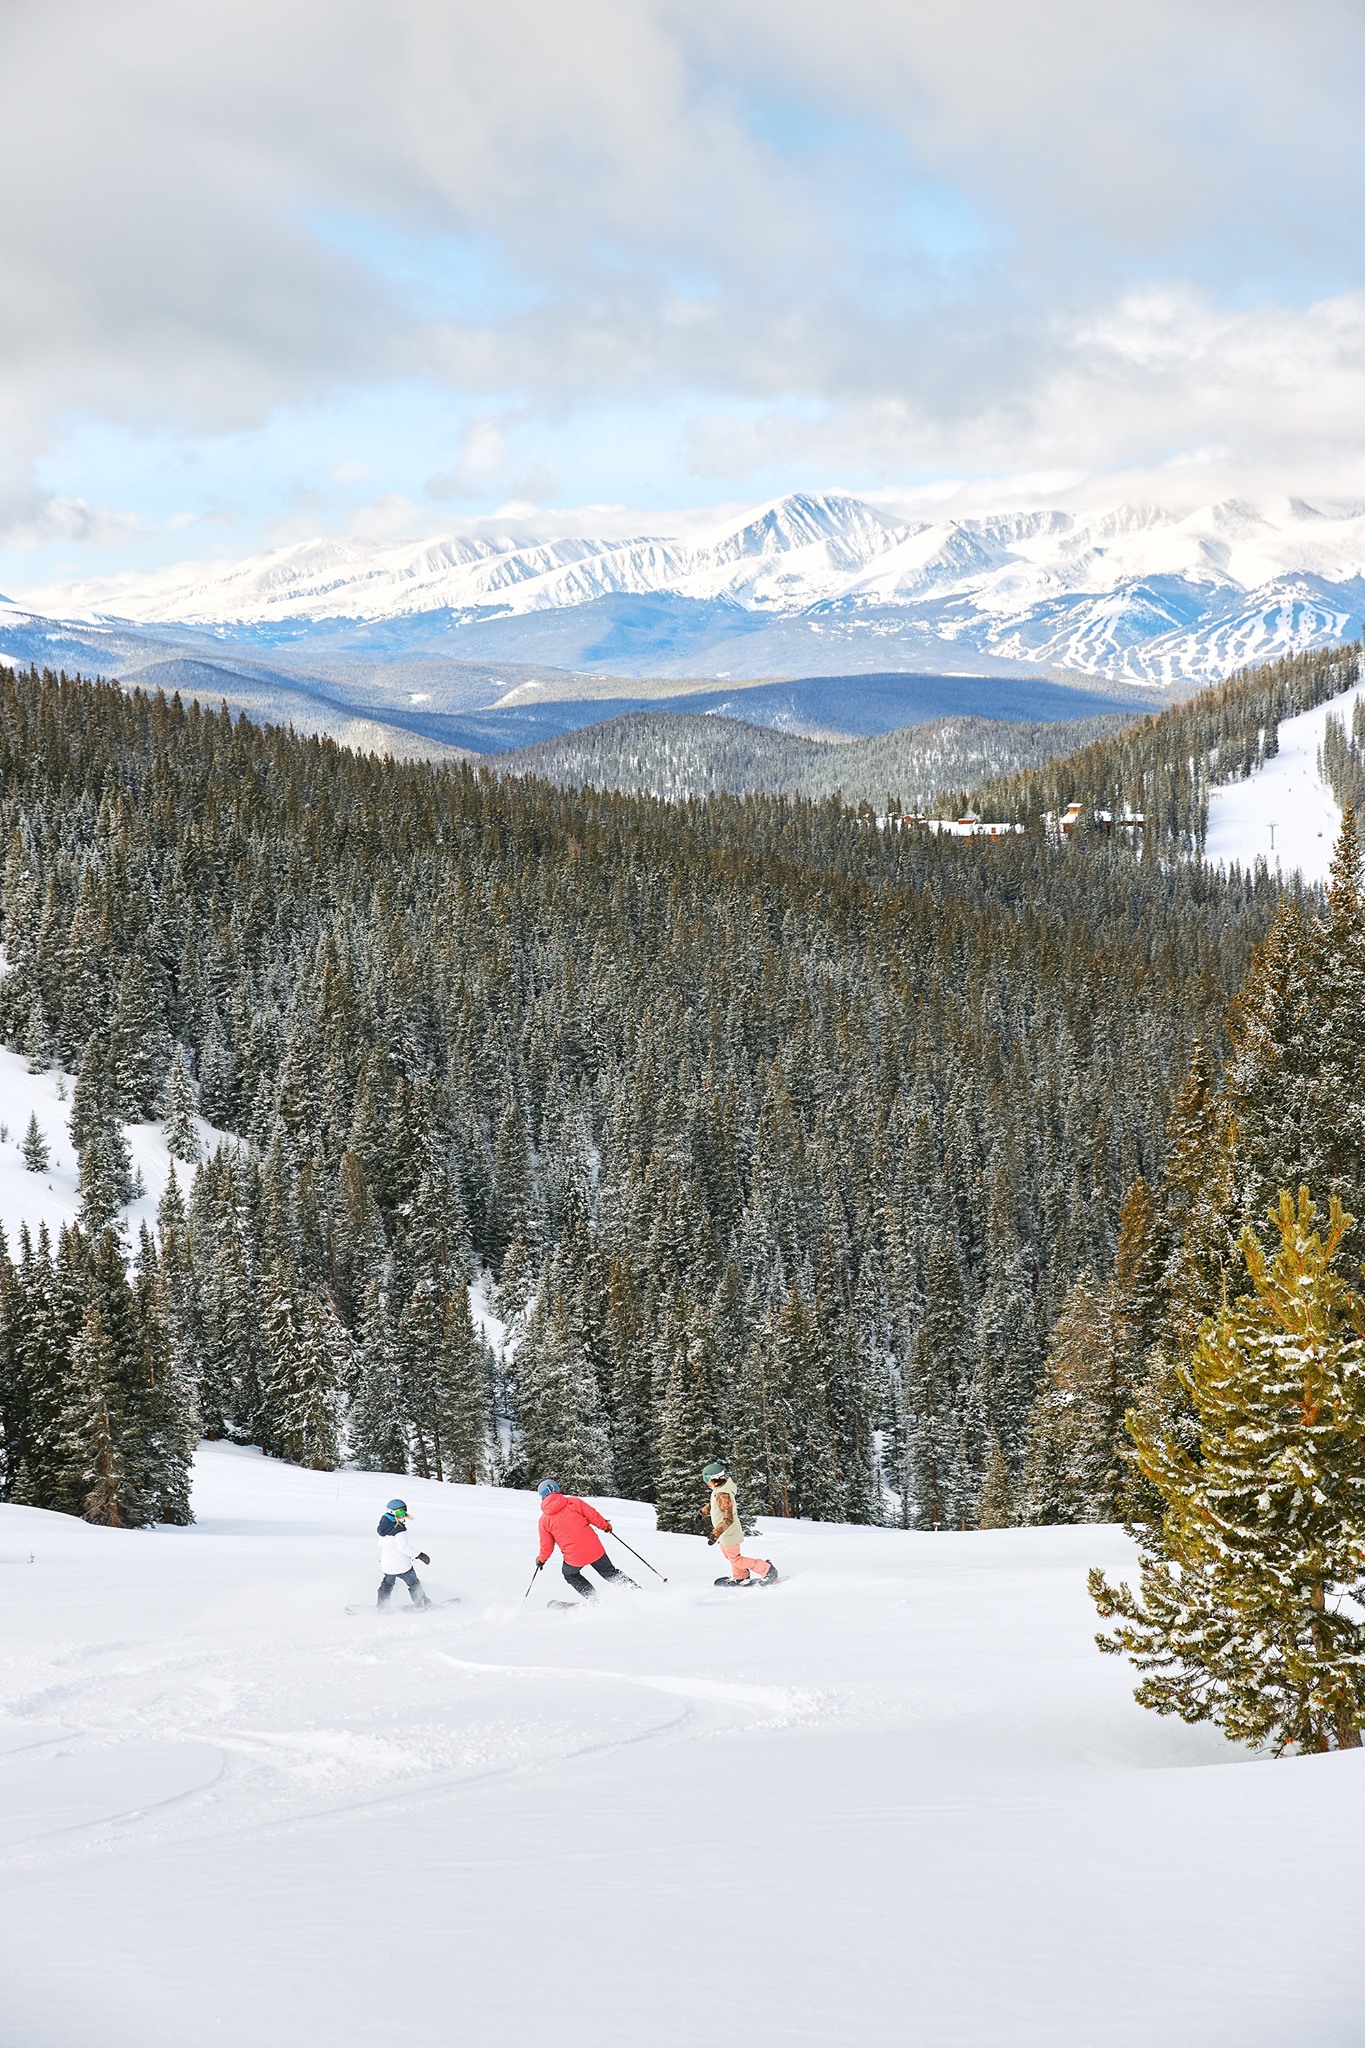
point(682, 754)
point(776, 1133)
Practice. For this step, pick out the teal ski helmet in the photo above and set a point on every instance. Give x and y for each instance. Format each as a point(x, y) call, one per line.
point(710, 1472)
point(397, 1507)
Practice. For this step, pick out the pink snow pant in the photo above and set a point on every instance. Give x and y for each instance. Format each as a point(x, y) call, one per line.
point(740, 1567)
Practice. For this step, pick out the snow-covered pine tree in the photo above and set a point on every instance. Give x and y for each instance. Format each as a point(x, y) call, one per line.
point(995, 1505)
point(968, 1435)
point(136, 1350)
point(39, 1342)
point(182, 1136)
point(86, 960)
point(36, 1153)
point(91, 1464)
point(218, 1098)
point(463, 1391)
point(634, 1439)
point(420, 1327)
point(1240, 1618)
point(373, 1132)
point(845, 1488)
point(935, 1370)
point(806, 1465)
point(279, 1322)
point(139, 1048)
point(37, 1040)
point(359, 1247)
point(375, 1432)
point(514, 1216)
point(223, 1328)
point(305, 1383)
point(687, 1432)
point(1275, 1126)
point(104, 1178)
point(169, 1417)
point(1072, 1467)
point(560, 1428)
point(1140, 1297)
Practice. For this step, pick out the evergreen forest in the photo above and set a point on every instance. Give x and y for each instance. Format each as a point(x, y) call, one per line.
point(587, 1133)
point(686, 753)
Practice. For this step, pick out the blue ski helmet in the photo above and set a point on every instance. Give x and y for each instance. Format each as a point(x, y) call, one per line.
point(396, 1507)
point(547, 1486)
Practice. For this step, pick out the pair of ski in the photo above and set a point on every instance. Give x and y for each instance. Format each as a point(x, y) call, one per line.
point(408, 1607)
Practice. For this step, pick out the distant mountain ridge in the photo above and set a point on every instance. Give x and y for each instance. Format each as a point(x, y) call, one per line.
point(811, 582)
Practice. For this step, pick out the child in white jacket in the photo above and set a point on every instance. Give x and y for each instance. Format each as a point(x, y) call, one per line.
point(397, 1558)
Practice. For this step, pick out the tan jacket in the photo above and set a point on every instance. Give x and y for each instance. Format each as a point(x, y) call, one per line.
point(725, 1516)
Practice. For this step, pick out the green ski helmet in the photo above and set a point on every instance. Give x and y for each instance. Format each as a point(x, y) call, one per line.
point(710, 1472)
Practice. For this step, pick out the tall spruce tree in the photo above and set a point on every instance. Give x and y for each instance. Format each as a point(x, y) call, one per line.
point(561, 1428)
point(1239, 1618)
point(688, 1434)
point(89, 1461)
point(375, 1429)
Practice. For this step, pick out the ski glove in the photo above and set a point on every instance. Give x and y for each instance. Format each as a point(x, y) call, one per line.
point(710, 1539)
point(422, 1557)
point(607, 1527)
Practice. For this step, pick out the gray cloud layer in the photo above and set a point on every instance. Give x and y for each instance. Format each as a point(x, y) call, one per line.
point(982, 234)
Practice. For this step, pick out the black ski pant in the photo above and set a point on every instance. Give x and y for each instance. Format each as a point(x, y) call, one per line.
point(410, 1580)
point(604, 1568)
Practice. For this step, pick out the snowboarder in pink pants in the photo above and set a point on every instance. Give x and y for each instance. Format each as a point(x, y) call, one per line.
point(728, 1531)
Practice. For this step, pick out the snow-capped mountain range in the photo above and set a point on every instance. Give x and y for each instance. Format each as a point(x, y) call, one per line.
point(1137, 593)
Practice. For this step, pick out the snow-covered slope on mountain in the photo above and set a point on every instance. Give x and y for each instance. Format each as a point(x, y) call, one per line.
point(1284, 814)
point(1139, 593)
point(899, 1799)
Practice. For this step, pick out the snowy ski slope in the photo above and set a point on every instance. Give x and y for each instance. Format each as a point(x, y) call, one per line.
point(1287, 793)
point(900, 1800)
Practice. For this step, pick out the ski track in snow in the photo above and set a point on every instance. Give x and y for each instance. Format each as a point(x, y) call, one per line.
point(899, 1799)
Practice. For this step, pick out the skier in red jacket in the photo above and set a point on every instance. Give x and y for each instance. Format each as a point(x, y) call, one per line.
point(573, 1524)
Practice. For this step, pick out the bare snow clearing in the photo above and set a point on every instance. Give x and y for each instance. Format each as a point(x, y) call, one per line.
point(50, 1197)
point(899, 1799)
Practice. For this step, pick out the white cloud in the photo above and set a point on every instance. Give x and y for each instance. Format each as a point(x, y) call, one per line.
point(883, 238)
point(489, 467)
point(37, 520)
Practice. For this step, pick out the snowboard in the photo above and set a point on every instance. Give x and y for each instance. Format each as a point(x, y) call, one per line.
point(372, 1607)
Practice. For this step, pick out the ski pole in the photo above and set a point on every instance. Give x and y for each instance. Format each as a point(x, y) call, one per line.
point(644, 1560)
point(534, 1576)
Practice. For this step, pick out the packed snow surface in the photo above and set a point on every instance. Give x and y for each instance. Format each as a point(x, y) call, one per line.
point(1138, 592)
point(898, 1799)
point(1284, 814)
